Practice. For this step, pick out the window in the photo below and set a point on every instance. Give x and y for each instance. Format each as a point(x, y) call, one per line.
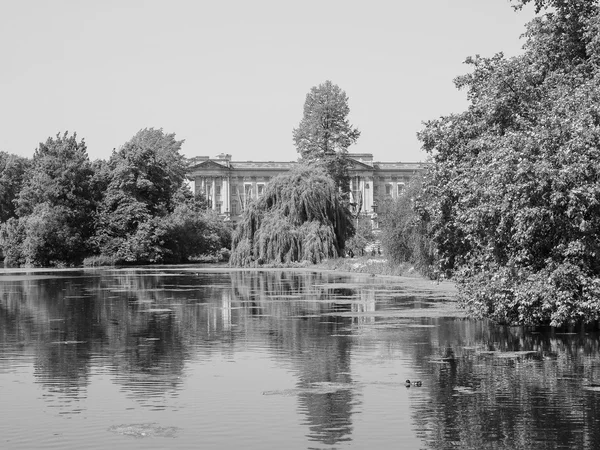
point(260, 188)
point(400, 188)
point(388, 189)
point(234, 208)
point(219, 207)
point(248, 190)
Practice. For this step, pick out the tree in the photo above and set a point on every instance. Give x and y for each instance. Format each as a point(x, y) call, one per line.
point(143, 181)
point(55, 207)
point(300, 217)
point(148, 213)
point(404, 232)
point(12, 176)
point(513, 198)
point(324, 133)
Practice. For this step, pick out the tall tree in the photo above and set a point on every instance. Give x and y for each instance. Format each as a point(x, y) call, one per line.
point(148, 213)
point(55, 207)
point(324, 133)
point(514, 194)
point(143, 178)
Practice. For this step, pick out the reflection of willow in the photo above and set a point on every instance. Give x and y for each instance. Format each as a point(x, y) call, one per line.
point(507, 387)
point(319, 354)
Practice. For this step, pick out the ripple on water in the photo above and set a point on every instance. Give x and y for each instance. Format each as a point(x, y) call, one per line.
point(144, 430)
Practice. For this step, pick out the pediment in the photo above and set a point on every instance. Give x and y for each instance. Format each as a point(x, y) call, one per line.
point(358, 165)
point(207, 165)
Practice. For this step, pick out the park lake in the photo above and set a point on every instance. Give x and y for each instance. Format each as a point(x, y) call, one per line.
point(195, 357)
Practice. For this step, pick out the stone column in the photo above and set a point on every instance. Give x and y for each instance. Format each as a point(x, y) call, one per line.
point(369, 194)
point(226, 197)
point(214, 193)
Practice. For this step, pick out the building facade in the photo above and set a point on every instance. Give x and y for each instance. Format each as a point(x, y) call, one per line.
point(229, 185)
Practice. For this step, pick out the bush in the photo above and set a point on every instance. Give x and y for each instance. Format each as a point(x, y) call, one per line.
point(404, 233)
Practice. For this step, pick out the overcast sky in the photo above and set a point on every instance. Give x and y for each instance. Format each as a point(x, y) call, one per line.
point(232, 76)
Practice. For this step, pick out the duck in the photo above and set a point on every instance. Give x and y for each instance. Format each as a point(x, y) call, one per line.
point(409, 383)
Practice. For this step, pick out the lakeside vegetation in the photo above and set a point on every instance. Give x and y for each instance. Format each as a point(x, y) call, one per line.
point(62, 210)
point(509, 207)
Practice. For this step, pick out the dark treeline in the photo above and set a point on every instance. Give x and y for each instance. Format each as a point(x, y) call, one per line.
point(60, 209)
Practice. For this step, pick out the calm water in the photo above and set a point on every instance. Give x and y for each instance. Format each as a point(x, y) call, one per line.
point(173, 358)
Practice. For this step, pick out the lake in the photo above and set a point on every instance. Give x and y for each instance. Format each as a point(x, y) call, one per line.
point(187, 357)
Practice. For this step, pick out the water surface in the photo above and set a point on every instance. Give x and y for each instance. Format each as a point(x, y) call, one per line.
point(178, 357)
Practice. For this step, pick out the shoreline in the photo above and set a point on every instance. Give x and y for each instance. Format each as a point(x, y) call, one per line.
point(415, 280)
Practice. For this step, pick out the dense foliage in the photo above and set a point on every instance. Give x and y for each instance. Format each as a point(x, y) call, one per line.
point(324, 133)
point(514, 195)
point(300, 217)
point(133, 208)
point(54, 208)
point(363, 236)
point(12, 177)
point(404, 232)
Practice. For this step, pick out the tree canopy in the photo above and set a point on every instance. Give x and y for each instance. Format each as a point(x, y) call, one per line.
point(324, 133)
point(55, 207)
point(58, 209)
point(514, 192)
point(300, 217)
point(148, 213)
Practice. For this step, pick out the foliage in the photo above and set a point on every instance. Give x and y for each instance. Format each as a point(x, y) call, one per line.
point(142, 179)
point(12, 235)
point(51, 238)
point(12, 176)
point(404, 233)
point(60, 175)
point(362, 237)
point(55, 207)
point(514, 196)
point(300, 217)
point(148, 214)
point(324, 133)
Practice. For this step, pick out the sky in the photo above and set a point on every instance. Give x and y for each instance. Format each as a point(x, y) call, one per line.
point(232, 76)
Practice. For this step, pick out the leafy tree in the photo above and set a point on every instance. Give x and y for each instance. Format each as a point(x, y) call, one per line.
point(324, 133)
point(143, 179)
point(55, 206)
point(513, 198)
point(300, 217)
point(404, 232)
point(12, 175)
point(60, 175)
point(148, 214)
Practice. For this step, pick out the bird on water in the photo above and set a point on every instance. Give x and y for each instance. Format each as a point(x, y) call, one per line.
point(409, 383)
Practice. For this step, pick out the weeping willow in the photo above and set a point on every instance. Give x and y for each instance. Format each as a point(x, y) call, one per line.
point(300, 217)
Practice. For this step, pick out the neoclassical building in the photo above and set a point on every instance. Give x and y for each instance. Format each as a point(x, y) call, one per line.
point(229, 185)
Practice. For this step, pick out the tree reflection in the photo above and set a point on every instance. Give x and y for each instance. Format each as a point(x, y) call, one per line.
point(508, 388)
point(320, 356)
point(486, 386)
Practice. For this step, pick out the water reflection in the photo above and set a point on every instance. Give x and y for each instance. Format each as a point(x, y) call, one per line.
point(349, 344)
